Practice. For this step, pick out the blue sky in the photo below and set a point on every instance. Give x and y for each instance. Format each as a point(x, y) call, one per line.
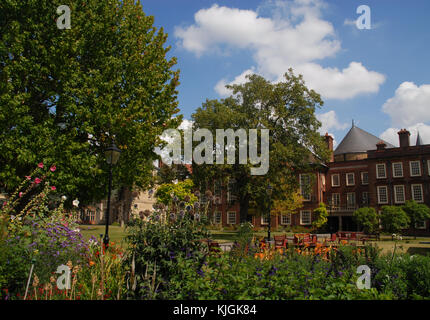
point(378, 77)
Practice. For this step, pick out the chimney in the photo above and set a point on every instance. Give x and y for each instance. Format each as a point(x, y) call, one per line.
point(329, 142)
point(404, 138)
point(380, 145)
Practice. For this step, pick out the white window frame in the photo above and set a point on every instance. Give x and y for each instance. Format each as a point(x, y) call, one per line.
point(338, 179)
point(394, 171)
point(353, 179)
point(377, 171)
point(413, 194)
point(363, 198)
point(379, 194)
point(428, 167)
point(423, 226)
point(310, 189)
point(362, 179)
point(228, 217)
point(301, 217)
point(348, 205)
point(263, 218)
point(216, 214)
point(287, 216)
point(231, 197)
point(410, 168)
point(336, 206)
point(396, 200)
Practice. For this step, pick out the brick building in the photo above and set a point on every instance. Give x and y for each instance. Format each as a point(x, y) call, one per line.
point(363, 171)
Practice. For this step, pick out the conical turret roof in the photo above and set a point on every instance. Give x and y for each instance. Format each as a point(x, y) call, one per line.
point(357, 140)
point(419, 141)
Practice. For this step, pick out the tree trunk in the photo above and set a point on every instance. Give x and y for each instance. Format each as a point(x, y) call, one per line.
point(244, 206)
point(126, 201)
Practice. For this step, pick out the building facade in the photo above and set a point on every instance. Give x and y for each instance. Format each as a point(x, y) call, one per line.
point(364, 171)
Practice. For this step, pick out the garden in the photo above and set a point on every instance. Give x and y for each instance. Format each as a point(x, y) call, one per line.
point(44, 256)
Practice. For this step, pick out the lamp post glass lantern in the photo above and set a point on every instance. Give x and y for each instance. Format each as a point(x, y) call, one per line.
point(269, 193)
point(112, 156)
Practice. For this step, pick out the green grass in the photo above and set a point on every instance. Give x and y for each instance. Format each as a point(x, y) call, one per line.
point(116, 233)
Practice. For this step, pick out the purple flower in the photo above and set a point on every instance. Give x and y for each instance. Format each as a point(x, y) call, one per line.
point(201, 273)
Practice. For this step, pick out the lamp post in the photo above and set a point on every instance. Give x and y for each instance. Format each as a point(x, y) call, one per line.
point(112, 155)
point(269, 193)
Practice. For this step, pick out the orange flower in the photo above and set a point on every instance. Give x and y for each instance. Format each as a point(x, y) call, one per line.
point(92, 263)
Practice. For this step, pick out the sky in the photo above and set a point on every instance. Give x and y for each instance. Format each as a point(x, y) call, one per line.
point(378, 77)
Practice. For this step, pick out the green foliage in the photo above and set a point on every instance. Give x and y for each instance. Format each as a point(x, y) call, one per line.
point(158, 245)
point(367, 218)
point(183, 190)
point(64, 94)
point(394, 219)
point(320, 216)
point(287, 109)
point(416, 212)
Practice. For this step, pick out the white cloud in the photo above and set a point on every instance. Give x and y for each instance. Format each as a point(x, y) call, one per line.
point(223, 91)
point(410, 104)
point(390, 135)
point(294, 35)
point(329, 121)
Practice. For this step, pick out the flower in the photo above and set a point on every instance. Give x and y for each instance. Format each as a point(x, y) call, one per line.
point(20, 194)
point(37, 180)
point(92, 263)
point(76, 202)
point(64, 198)
point(40, 165)
point(53, 168)
point(28, 177)
point(53, 188)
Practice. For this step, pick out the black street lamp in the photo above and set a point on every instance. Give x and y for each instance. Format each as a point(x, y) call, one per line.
point(112, 155)
point(269, 193)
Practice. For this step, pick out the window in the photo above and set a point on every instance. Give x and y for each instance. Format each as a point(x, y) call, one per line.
point(265, 219)
point(335, 181)
point(382, 194)
point(231, 187)
point(217, 217)
point(417, 192)
point(415, 168)
point(350, 200)
point(335, 201)
point(231, 217)
point(364, 178)
point(305, 217)
point(286, 219)
point(350, 180)
point(305, 186)
point(399, 194)
point(428, 166)
point(397, 169)
point(381, 173)
point(420, 225)
point(92, 215)
point(217, 188)
point(365, 198)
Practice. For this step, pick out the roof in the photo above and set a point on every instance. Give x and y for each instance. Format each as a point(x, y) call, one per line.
point(357, 140)
point(419, 141)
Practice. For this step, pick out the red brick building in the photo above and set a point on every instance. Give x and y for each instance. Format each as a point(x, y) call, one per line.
point(363, 171)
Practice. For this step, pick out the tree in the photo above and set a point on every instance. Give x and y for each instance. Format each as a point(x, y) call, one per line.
point(287, 109)
point(417, 213)
point(183, 190)
point(367, 218)
point(320, 216)
point(65, 94)
point(394, 219)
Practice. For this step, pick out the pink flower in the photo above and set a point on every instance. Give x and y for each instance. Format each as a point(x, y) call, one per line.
point(4, 203)
point(20, 194)
point(53, 188)
point(40, 165)
point(28, 177)
point(53, 168)
point(37, 180)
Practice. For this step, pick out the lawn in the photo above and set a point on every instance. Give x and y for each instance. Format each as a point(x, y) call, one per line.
point(408, 244)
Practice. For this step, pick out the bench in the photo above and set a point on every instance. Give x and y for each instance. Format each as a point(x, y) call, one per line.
point(281, 241)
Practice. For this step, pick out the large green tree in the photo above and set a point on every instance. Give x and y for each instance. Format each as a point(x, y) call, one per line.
point(394, 219)
point(287, 109)
point(66, 93)
point(417, 212)
point(367, 218)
